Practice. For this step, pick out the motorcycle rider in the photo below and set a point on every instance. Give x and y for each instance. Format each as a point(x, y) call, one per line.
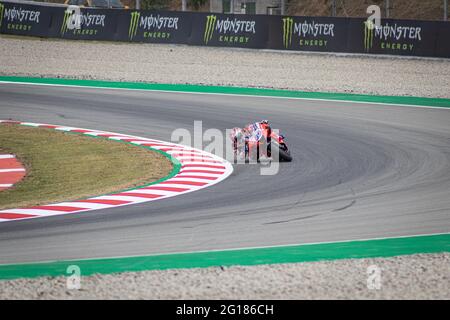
point(252, 134)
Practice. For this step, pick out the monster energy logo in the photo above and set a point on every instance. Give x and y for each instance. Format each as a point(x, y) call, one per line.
point(132, 30)
point(209, 29)
point(67, 15)
point(288, 24)
point(369, 26)
point(2, 9)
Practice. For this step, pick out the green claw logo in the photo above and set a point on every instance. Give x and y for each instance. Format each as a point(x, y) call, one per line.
point(368, 34)
point(132, 30)
point(209, 28)
point(288, 24)
point(2, 9)
point(67, 15)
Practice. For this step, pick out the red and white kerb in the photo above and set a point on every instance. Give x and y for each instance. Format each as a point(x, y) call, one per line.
point(199, 169)
point(11, 171)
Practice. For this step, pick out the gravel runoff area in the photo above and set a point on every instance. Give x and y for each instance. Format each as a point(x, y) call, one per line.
point(404, 277)
point(224, 66)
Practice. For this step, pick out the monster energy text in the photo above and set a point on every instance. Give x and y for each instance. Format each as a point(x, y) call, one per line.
point(306, 29)
point(229, 29)
point(152, 25)
point(21, 15)
point(391, 36)
point(86, 20)
point(18, 19)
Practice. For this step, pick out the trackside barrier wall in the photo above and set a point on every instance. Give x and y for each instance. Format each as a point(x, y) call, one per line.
point(324, 34)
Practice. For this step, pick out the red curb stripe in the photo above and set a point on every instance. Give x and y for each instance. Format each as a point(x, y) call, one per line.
point(10, 163)
point(11, 177)
point(129, 139)
point(139, 195)
point(58, 208)
point(198, 160)
point(106, 135)
point(196, 177)
point(173, 189)
point(10, 216)
point(105, 201)
point(202, 166)
point(177, 149)
point(192, 183)
point(189, 153)
point(202, 171)
point(48, 126)
point(154, 144)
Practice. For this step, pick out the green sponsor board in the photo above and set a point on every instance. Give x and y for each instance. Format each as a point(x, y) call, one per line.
point(209, 28)
point(132, 29)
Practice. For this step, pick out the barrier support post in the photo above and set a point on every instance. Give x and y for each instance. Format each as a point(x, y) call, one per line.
point(445, 10)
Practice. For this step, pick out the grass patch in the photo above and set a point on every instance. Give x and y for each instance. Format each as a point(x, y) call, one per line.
point(62, 166)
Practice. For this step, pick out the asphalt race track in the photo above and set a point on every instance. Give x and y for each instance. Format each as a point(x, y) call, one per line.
point(359, 171)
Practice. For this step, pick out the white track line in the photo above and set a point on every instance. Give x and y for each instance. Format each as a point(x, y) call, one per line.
point(6, 156)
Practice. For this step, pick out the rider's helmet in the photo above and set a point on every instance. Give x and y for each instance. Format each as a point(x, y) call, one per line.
point(264, 121)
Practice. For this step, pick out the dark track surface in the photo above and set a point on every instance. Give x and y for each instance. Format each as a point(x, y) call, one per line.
point(359, 171)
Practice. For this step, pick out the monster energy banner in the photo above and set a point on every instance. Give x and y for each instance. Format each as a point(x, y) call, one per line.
point(95, 24)
point(325, 34)
point(24, 19)
point(310, 34)
point(158, 26)
point(400, 37)
point(247, 31)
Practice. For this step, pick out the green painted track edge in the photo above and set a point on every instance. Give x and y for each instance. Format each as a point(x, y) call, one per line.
point(262, 92)
point(357, 249)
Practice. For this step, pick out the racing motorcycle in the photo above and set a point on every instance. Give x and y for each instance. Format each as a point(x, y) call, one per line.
point(278, 144)
point(262, 138)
